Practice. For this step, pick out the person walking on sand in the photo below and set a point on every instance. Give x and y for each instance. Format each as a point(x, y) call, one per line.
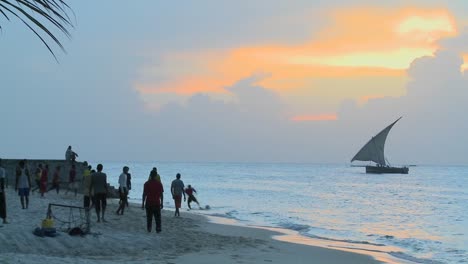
point(123, 190)
point(129, 186)
point(177, 190)
point(3, 213)
point(56, 180)
point(152, 201)
point(191, 197)
point(37, 178)
point(44, 179)
point(87, 187)
point(72, 184)
point(99, 186)
point(23, 184)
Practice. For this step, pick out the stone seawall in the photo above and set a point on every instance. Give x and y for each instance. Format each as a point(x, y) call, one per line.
point(10, 167)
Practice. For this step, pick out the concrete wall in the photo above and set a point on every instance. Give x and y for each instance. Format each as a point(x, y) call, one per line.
point(10, 166)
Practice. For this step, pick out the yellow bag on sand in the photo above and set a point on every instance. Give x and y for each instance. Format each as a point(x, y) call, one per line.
point(48, 223)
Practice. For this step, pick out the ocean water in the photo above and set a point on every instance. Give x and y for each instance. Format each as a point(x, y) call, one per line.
point(421, 217)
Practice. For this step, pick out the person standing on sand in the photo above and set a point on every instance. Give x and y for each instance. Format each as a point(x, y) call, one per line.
point(123, 190)
point(177, 190)
point(191, 198)
point(3, 213)
point(56, 180)
point(37, 178)
point(153, 200)
point(99, 186)
point(129, 186)
point(23, 184)
point(72, 180)
point(87, 187)
point(44, 179)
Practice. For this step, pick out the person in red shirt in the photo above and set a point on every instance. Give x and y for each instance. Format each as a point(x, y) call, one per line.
point(44, 179)
point(153, 202)
point(191, 198)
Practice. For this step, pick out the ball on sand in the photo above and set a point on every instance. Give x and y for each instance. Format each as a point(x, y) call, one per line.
point(207, 207)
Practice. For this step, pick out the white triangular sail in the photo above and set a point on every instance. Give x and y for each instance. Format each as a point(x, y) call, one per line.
point(374, 149)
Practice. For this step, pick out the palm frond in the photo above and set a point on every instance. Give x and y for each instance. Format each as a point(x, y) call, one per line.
point(32, 12)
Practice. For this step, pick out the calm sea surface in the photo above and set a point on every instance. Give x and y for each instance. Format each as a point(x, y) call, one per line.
point(422, 216)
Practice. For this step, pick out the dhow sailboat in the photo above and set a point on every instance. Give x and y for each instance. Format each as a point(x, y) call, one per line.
point(374, 151)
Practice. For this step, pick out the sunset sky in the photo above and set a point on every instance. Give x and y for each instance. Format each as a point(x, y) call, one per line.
point(255, 81)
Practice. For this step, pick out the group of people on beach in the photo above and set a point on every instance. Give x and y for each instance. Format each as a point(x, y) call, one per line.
point(96, 189)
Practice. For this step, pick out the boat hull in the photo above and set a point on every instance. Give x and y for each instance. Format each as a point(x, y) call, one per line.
point(381, 170)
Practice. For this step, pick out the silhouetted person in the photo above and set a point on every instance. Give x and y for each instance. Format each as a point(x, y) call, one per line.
point(123, 190)
point(177, 190)
point(191, 197)
point(56, 180)
point(3, 212)
point(37, 178)
point(70, 155)
point(99, 186)
point(44, 179)
point(129, 186)
point(23, 184)
point(87, 187)
point(153, 200)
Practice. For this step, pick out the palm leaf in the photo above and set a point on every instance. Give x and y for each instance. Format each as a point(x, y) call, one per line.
point(39, 16)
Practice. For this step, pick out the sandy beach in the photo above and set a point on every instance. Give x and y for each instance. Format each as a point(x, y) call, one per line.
point(124, 239)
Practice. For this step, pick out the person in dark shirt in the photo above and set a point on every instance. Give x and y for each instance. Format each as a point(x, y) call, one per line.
point(99, 187)
point(129, 187)
point(56, 180)
point(191, 198)
point(152, 201)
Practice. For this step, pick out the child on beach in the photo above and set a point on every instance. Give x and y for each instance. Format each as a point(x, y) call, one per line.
point(23, 184)
point(191, 198)
point(37, 178)
point(44, 179)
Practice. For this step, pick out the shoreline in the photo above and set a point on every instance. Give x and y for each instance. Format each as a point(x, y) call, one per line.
point(294, 237)
point(124, 239)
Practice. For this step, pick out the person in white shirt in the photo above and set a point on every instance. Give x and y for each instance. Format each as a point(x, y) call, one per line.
point(23, 183)
point(2, 193)
point(123, 190)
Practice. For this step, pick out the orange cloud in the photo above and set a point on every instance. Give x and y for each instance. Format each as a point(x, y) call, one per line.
point(358, 43)
point(464, 67)
point(364, 99)
point(323, 117)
